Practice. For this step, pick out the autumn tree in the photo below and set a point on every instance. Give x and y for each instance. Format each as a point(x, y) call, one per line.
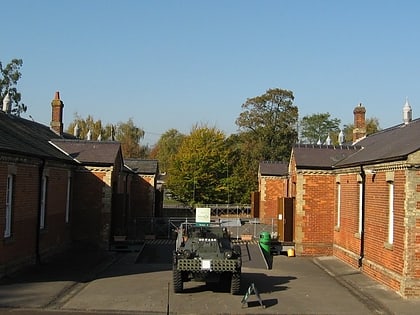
point(318, 127)
point(270, 120)
point(9, 77)
point(198, 170)
point(166, 148)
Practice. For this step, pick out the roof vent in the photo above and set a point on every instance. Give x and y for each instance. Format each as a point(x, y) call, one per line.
point(7, 102)
point(341, 137)
point(76, 131)
point(407, 112)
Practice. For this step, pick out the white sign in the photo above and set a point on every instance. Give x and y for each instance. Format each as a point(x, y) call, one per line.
point(202, 215)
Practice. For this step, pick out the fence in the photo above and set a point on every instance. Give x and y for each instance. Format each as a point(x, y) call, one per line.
point(165, 227)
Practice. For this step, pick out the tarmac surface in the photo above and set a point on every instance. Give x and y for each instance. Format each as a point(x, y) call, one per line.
point(91, 281)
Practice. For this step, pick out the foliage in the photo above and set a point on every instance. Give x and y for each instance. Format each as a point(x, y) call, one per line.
point(84, 126)
point(270, 122)
point(127, 133)
point(166, 148)
point(318, 127)
point(198, 172)
point(243, 167)
point(372, 126)
point(9, 76)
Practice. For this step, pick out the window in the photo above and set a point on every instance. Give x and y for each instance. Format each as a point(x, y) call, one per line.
point(390, 212)
point(9, 206)
point(43, 202)
point(338, 205)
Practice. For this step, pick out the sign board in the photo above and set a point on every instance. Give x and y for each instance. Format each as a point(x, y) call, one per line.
point(252, 289)
point(202, 216)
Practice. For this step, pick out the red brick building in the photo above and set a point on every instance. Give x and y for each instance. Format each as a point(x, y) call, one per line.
point(58, 190)
point(35, 198)
point(361, 202)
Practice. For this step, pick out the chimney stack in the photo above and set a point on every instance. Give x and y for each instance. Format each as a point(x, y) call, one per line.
point(359, 130)
point(57, 114)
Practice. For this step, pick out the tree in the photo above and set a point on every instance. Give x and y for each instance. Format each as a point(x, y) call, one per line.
point(127, 133)
point(89, 125)
point(318, 127)
point(372, 126)
point(271, 121)
point(130, 135)
point(198, 171)
point(10, 75)
point(166, 148)
point(242, 167)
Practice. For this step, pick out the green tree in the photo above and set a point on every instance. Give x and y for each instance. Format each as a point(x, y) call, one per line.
point(130, 135)
point(82, 127)
point(125, 132)
point(242, 167)
point(198, 171)
point(9, 77)
point(372, 126)
point(271, 121)
point(166, 148)
point(318, 127)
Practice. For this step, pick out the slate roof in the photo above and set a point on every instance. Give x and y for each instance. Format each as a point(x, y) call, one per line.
point(22, 136)
point(90, 152)
point(274, 168)
point(140, 166)
point(387, 145)
point(311, 156)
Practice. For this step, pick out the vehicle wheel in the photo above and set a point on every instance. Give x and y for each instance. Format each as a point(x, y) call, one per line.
point(235, 284)
point(177, 279)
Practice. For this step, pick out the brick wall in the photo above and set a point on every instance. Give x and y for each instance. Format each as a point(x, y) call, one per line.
point(394, 264)
point(314, 214)
point(88, 205)
point(20, 248)
point(271, 188)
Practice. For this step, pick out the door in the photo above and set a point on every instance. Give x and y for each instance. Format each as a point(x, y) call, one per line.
point(285, 219)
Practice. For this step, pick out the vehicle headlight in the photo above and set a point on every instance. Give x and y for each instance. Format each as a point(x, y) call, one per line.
point(228, 254)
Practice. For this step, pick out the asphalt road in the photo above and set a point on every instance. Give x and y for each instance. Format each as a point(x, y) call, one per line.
point(130, 283)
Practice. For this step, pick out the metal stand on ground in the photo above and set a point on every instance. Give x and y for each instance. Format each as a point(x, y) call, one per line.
point(252, 289)
point(167, 305)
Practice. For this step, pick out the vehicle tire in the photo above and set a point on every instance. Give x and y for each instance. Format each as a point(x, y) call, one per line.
point(235, 284)
point(177, 279)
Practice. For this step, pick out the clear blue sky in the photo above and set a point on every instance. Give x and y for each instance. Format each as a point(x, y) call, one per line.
point(173, 64)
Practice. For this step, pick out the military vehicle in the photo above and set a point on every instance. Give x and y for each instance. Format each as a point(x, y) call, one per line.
point(206, 254)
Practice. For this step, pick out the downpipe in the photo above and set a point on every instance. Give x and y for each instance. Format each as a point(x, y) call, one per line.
point(362, 217)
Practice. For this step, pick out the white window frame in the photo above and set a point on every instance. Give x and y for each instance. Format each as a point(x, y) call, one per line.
point(9, 206)
point(390, 212)
point(338, 204)
point(43, 202)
